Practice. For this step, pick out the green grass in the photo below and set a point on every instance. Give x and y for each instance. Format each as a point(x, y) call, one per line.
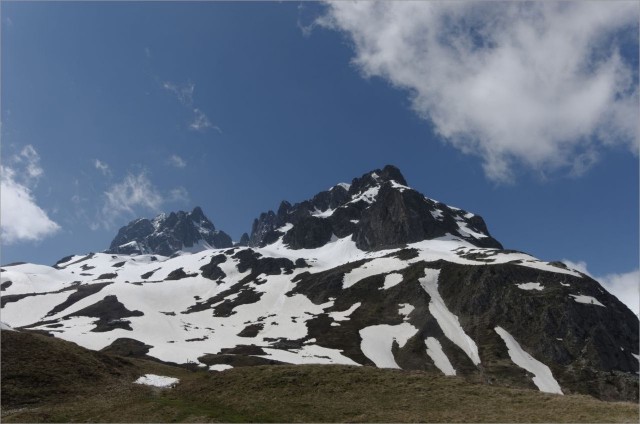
point(72, 389)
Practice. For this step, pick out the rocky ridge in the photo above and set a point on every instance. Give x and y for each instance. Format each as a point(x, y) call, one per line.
point(377, 210)
point(168, 234)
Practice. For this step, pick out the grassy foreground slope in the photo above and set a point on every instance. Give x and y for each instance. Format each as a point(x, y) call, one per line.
point(46, 379)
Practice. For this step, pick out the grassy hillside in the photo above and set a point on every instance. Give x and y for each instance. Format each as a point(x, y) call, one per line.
point(46, 379)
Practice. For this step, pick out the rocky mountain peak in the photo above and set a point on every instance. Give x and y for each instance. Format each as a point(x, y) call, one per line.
point(375, 178)
point(168, 234)
point(378, 210)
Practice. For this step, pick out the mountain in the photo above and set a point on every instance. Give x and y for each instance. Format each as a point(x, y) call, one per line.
point(169, 234)
point(368, 273)
point(377, 210)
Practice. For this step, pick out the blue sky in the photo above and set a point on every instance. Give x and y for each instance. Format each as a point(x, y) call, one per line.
point(112, 111)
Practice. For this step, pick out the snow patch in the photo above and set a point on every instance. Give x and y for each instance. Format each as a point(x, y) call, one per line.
point(377, 341)
point(157, 380)
point(399, 186)
point(344, 315)
point(587, 300)
point(531, 286)
point(405, 309)
point(447, 321)
point(391, 280)
point(543, 378)
point(436, 214)
point(440, 360)
point(368, 196)
point(7, 327)
point(374, 267)
point(220, 367)
point(323, 214)
point(464, 228)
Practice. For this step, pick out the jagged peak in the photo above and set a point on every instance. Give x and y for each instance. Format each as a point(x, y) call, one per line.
point(376, 178)
point(168, 233)
point(378, 210)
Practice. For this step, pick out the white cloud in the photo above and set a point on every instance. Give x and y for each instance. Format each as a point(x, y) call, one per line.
point(177, 161)
point(539, 84)
point(578, 266)
point(127, 197)
point(178, 194)
point(624, 286)
point(184, 93)
point(200, 121)
point(21, 218)
point(134, 196)
point(102, 167)
point(28, 161)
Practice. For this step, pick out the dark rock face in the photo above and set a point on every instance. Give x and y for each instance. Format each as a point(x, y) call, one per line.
point(309, 233)
point(580, 343)
point(244, 240)
point(586, 347)
point(378, 210)
point(168, 234)
point(111, 313)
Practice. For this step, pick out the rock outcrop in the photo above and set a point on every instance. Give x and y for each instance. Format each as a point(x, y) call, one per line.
point(168, 234)
point(378, 210)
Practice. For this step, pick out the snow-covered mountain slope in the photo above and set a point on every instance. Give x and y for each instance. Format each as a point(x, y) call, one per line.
point(441, 303)
point(168, 234)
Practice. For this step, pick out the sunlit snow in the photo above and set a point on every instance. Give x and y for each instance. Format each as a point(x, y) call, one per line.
point(531, 286)
point(157, 380)
point(440, 360)
point(447, 321)
point(543, 378)
point(588, 300)
point(377, 341)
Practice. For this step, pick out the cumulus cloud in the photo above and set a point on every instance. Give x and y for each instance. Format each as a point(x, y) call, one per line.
point(184, 93)
point(21, 217)
point(539, 84)
point(133, 196)
point(102, 167)
point(624, 286)
point(177, 161)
